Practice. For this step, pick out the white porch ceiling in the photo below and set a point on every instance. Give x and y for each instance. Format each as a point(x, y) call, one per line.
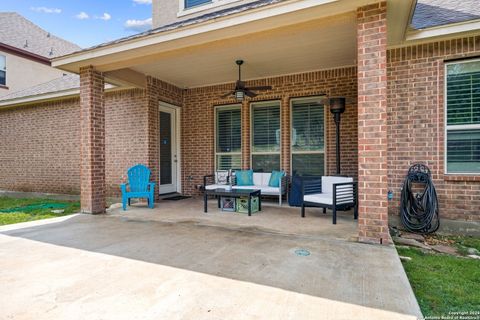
point(315, 45)
point(290, 37)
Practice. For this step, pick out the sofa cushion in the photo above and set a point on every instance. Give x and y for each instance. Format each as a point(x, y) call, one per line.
point(265, 189)
point(215, 186)
point(244, 177)
point(257, 178)
point(328, 181)
point(272, 191)
point(320, 198)
point(275, 178)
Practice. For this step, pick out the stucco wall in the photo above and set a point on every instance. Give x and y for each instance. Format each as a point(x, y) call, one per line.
point(23, 73)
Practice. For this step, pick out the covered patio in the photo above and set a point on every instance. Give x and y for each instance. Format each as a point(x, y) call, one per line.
point(171, 263)
point(284, 221)
point(302, 50)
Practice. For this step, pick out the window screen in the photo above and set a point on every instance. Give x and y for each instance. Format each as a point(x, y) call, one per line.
point(266, 137)
point(463, 117)
point(228, 138)
point(307, 138)
point(194, 3)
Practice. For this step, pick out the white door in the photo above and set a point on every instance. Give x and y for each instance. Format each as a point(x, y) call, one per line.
point(169, 165)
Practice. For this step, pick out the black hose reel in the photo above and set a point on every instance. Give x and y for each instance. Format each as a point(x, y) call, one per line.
point(419, 211)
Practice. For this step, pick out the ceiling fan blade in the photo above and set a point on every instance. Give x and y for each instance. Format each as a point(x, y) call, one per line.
point(260, 88)
point(231, 93)
point(251, 94)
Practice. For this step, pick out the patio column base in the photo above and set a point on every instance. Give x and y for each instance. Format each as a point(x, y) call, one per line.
point(92, 141)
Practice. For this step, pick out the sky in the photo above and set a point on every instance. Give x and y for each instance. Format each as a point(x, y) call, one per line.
point(85, 22)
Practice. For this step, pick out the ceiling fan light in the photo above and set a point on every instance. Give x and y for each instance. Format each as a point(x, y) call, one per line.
point(239, 95)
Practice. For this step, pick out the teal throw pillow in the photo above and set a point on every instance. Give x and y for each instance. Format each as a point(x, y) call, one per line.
point(275, 178)
point(244, 177)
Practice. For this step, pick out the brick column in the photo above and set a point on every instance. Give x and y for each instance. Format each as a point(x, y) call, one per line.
point(246, 135)
point(285, 134)
point(372, 123)
point(92, 141)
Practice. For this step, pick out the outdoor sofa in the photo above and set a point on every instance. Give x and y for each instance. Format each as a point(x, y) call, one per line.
point(260, 181)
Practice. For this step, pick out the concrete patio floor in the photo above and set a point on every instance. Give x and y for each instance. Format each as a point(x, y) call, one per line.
point(175, 262)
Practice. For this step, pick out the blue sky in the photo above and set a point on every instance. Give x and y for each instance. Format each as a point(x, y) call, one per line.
point(85, 22)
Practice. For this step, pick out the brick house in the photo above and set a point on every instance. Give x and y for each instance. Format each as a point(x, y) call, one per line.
point(409, 71)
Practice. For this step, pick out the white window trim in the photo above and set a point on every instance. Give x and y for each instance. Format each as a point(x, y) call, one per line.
point(320, 100)
point(201, 7)
point(5, 70)
point(224, 107)
point(454, 127)
point(252, 153)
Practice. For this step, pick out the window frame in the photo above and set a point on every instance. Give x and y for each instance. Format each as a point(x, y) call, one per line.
point(183, 10)
point(263, 103)
point(320, 100)
point(451, 128)
point(4, 85)
point(215, 138)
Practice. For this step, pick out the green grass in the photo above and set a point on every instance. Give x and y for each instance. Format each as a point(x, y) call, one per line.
point(443, 283)
point(37, 214)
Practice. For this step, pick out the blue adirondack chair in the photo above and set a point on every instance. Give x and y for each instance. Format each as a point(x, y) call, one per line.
point(139, 185)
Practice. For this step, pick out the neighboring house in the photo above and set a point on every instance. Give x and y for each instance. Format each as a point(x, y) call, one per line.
point(410, 72)
point(25, 54)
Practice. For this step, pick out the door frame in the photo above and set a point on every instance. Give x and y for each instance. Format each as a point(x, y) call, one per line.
point(176, 111)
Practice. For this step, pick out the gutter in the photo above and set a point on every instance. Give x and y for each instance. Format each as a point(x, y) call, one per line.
point(25, 54)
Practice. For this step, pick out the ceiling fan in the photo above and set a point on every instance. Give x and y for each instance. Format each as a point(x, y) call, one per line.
point(240, 90)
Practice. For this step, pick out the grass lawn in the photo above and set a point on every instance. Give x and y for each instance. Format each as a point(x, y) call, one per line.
point(444, 283)
point(33, 210)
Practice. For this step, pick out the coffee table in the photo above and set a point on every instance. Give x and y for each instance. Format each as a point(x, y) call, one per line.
point(234, 193)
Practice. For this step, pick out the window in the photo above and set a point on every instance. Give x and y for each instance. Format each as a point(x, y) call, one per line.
point(194, 3)
point(228, 145)
point(3, 71)
point(307, 137)
point(463, 117)
point(265, 136)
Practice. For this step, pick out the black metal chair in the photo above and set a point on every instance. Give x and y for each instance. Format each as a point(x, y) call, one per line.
point(343, 195)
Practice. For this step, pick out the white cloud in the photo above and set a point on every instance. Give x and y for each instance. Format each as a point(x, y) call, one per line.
point(46, 10)
point(82, 16)
point(143, 1)
point(138, 25)
point(106, 17)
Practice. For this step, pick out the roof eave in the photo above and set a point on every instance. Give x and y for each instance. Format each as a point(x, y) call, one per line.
point(471, 27)
point(207, 31)
point(24, 54)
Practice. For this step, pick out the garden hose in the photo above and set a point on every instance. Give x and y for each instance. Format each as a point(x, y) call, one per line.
point(419, 211)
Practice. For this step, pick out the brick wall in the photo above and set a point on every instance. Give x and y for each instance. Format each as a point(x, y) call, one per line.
point(41, 143)
point(416, 123)
point(198, 121)
point(39, 148)
point(126, 140)
point(157, 91)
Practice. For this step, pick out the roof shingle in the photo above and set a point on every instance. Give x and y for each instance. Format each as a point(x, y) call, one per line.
point(18, 32)
point(67, 82)
point(433, 13)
